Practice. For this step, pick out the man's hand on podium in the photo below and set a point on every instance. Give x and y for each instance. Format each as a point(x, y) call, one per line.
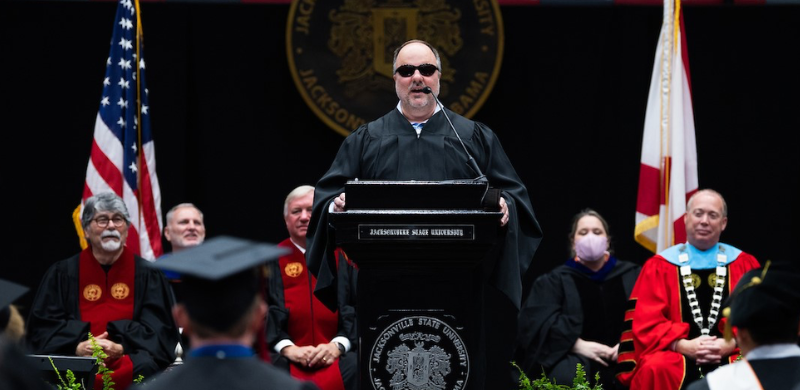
point(504, 209)
point(338, 203)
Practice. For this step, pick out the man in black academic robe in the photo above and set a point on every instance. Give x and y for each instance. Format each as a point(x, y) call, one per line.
point(390, 148)
point(108, 290)
point(55, 326)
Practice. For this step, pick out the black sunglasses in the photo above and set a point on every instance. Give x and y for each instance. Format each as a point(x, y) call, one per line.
point(426, 70)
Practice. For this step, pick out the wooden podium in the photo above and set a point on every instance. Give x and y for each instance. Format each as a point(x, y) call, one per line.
point(422, 249)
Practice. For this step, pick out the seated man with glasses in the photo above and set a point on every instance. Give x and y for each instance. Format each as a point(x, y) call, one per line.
point(109, 291)
point(421, 140)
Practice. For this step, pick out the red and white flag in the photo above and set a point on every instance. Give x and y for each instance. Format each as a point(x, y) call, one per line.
point(668, 170)
point(123, 153)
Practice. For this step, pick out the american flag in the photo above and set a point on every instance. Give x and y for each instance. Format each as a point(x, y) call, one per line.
point(123, 156)
point(668, 169)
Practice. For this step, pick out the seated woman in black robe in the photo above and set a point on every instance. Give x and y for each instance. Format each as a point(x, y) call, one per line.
point(575, 313)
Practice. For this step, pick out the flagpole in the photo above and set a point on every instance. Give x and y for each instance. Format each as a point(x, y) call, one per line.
point(668, 167)
point(666, 81)
point(140, 156)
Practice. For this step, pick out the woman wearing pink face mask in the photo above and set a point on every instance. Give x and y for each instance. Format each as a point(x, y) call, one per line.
point(575, 313)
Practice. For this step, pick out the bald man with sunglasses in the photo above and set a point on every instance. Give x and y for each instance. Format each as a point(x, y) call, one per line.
point(415, 141)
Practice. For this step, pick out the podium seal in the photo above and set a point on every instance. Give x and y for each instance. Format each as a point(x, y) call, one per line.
point(419, 352)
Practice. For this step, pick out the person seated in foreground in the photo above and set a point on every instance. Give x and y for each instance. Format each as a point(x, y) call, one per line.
point(221, 313)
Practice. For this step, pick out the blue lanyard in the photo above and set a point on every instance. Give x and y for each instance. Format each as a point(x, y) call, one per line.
point(224, 351)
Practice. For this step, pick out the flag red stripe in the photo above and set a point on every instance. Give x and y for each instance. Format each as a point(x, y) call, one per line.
point(649, 189)
point(87, 192)
point(106, 169)
point(679, 228)
point(133, 239)
point(148, 211)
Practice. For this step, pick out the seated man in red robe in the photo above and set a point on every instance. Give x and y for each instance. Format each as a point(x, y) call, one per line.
point(305, 336)
point(109, 291)
point(671, 335)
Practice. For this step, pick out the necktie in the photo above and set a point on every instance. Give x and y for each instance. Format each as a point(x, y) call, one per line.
point(417, 127)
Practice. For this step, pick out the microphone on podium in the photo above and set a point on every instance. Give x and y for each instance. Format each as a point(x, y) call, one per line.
point(470, 161)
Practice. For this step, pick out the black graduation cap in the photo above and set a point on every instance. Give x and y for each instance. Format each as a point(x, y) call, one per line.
point(220, 277)
point(767, 296)
point(9, 292)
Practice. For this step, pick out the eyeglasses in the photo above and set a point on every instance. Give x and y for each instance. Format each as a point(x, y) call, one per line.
point(103, 221)
point(426, 70)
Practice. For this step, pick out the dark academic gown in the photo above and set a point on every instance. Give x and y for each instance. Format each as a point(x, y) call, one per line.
point(389, 149)
point(296, 314)
point(54, 325)
point(568, 303)
point(212, 373)
point(779, 373)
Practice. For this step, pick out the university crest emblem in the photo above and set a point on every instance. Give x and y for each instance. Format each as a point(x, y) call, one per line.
point(92, 292)
point(340, 53)
point(419, 353)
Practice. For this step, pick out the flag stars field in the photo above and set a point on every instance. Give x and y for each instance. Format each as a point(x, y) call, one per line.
point(126, 23)
point(125, 44)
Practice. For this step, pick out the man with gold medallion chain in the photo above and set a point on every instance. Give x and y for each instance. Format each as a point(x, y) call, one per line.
point(673, 333)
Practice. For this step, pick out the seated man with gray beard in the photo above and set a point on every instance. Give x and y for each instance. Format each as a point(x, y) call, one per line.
point(109, 291)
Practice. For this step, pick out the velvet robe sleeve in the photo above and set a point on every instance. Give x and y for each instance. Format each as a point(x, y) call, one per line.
point(657, 318)
point(54, 326)
point(278, 314)
point(550, 322)
point(321, 245)
point(151, 336)
point(522, 233)
point(348, 275)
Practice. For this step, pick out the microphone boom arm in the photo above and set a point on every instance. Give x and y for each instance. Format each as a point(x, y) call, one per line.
point(470, 161)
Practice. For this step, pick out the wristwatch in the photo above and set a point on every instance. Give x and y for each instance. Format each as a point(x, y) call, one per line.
point(341, 347)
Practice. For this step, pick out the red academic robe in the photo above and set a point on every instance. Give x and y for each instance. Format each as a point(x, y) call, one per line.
point(297, 314)
point(105, 297)
point(654, 321)
point(132, 302)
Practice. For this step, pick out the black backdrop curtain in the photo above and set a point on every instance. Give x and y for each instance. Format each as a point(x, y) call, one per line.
point(233, 135)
